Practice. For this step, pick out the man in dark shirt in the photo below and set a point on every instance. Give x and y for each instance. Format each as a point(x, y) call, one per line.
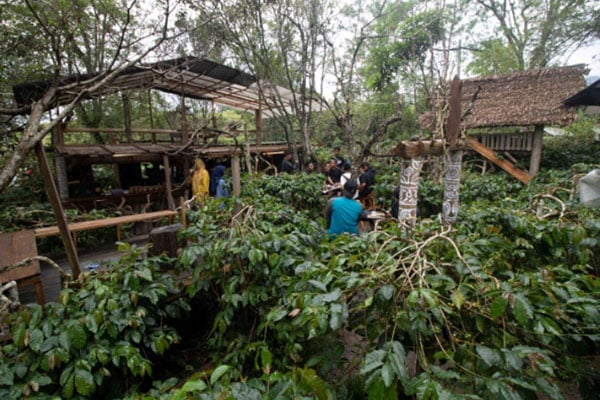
point(339, 160)
point(366, 180)
point(334, 173)
point(286, 164)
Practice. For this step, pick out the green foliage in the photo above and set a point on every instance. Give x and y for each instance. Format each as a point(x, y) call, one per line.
point(578, 145)
point(505, 317)
point(97, 338)
point(534, 39)
point(492, 57)
point(416, 33)
point(501, 306)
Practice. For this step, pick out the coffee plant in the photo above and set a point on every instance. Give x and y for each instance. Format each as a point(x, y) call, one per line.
point(503, 305)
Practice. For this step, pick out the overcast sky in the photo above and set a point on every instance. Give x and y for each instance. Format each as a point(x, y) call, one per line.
point(589, 55)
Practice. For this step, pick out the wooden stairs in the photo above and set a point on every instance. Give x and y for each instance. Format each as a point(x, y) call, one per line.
point(490, 155)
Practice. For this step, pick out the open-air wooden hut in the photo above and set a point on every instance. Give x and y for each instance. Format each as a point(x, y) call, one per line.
point(166, 153)
point(169, 152)
point(506, 114)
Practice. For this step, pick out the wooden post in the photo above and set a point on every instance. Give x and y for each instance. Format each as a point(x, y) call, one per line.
point(184, 139)
point(247, 151)
point(60, 164)
point(235, 175)
point(127, 116)
point(169, 188)
point(452, 187)
point(454, 116)
point(259, 124)
point(409, 191)
point(536, 151)
point(182, 211)
point(59, 213)
point(151, 116)
point(164, 240)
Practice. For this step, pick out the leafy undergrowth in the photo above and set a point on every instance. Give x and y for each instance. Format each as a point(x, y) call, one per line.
point(504, 305)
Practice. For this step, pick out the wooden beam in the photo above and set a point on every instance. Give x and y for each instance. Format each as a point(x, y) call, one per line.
point(59, 213)
point(536, 150)
point(408, 149)
point(75, 227)
point(488, 153)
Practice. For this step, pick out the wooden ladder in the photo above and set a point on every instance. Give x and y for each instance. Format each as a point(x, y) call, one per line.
point(490, 154)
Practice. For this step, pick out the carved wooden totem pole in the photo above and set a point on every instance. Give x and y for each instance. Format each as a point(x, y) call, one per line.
point(453, 157)
point(411, 154)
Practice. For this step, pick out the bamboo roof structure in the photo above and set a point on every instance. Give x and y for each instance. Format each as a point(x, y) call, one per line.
point(190, 77)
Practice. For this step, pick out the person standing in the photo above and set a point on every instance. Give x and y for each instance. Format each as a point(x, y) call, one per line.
point(343, 213)
point(287, 165)
point(222, 190)
point(200, 181)
point(339, 160)
point(366, 180)
point(347, 173)
point(215, 176)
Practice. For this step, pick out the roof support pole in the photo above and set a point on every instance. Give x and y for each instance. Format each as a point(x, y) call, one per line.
point(184, 140)
point(127, 116)
point(169, 188)
point(258, 122)
point(536, 150)
point(236, 175)
point(60, 164)
point(59, 213)
point(151, 116)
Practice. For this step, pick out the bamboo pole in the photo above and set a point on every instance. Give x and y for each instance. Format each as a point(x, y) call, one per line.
point(59, 213)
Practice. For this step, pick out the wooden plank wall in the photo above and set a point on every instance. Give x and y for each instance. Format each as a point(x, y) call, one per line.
point(519, 142)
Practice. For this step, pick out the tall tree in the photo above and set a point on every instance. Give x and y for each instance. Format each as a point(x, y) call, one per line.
point(535, 32)
point(55, 34)
point(280, 42)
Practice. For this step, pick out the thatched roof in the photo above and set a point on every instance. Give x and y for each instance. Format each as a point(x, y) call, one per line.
point(526, 98)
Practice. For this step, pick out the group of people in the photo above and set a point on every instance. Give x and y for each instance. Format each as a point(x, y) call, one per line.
point(351, 191)
point(205, 184)
point(337, 176)
point(290, 165)
point(352, 195)
point(355, 195)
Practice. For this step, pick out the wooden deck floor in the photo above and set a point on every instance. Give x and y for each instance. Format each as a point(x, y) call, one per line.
point(51, 278)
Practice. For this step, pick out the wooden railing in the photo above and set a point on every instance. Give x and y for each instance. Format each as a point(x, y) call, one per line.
point(150, 135)
point(506, 142)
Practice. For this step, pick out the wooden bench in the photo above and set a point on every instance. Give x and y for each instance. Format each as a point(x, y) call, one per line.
point(75, 227)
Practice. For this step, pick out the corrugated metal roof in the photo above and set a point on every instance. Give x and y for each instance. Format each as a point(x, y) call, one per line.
point(189, 76)
point(590, 96)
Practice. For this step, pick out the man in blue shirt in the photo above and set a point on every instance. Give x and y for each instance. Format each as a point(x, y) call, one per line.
point(342, 213)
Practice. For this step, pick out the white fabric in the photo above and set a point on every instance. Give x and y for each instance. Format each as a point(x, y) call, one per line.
point(589, 189)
